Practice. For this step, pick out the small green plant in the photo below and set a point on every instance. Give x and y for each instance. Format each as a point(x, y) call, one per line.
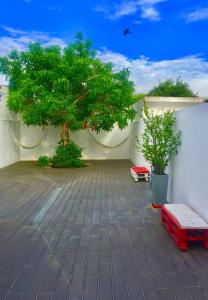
point(160, 141)
point(43, 161)
point(67, 155)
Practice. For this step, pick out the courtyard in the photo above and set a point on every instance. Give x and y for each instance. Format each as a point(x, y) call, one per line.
point(89, 233)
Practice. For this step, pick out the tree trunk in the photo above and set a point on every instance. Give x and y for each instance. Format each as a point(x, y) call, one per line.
point(65, 133)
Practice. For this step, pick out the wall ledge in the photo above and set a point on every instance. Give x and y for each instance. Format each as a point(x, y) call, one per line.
point(175, 99)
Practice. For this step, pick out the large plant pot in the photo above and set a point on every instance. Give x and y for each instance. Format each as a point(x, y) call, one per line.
point(159, 185)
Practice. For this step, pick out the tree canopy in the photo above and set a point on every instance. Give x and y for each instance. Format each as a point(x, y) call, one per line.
point(172, 88)
point(54, 86)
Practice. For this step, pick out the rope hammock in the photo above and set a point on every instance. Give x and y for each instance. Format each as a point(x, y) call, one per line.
point(107, 146)
point(44, 129)
point(33, 146)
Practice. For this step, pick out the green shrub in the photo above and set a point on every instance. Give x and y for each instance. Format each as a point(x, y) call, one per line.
point(67, 155)
point(43, 161)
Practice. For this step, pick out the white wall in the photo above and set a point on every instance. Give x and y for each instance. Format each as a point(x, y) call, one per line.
point(91, 150)
point(9, 128)
point(29, 136)
point(189, 170)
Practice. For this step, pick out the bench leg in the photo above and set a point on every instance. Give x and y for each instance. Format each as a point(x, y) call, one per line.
point(163, 216)
point(182, 239)
point(166, 221)
point(206, 239)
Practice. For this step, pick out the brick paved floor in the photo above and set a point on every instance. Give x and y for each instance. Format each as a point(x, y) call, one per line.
point(89, 234)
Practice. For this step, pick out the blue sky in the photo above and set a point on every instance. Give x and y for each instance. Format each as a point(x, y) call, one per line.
point(168, 37)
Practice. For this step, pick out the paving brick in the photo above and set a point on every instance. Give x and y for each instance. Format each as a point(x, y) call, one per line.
point(178, 287)
point(91, 288)
point(105, 279)
point(197, 293)
point(21, 281)
point(77, 279)
point(119, 278)
point(61, 288)
point(141, 260)
point(166, 294)
point(150, 291)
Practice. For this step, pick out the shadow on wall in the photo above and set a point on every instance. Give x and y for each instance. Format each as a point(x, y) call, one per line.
point(9, 127)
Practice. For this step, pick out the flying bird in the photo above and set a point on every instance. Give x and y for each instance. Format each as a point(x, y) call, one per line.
point(126, 31)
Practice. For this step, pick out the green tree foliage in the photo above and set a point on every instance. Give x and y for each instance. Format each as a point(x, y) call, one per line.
point(172, 88)
point(50, 86)
point(160, 141)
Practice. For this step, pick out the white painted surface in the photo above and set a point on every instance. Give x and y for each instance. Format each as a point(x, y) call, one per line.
point(186, 217)
point(91, 149)
point(169, 100)
point(31, 135)
point(9, 126)
point(189, 170)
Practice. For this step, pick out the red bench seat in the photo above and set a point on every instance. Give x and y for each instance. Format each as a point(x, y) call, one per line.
point(184, 225)
point(138, 173)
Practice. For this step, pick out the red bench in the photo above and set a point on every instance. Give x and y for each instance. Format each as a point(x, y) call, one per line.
point(140, 173)
point(184, 225)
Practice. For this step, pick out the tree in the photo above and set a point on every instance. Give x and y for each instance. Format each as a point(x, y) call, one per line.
point(160, 140)
point(71, 88)
point(171, 88)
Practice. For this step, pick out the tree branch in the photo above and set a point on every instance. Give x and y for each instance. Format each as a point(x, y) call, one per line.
point(90, 78)
point(80, 97)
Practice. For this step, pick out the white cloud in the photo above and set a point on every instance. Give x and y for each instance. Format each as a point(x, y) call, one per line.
point(3, 80)
point(146, 73)
point(150, 2)
point(146, 7)
point(150, 13)
point(197, 15)
point(13, 31)
point(19, 39)
point(123, 9)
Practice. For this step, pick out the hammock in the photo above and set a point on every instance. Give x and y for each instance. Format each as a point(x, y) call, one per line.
point(33, 146)
point(108, 146)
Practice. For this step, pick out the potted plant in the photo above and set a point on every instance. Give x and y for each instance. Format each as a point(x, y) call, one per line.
point(159, 146)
